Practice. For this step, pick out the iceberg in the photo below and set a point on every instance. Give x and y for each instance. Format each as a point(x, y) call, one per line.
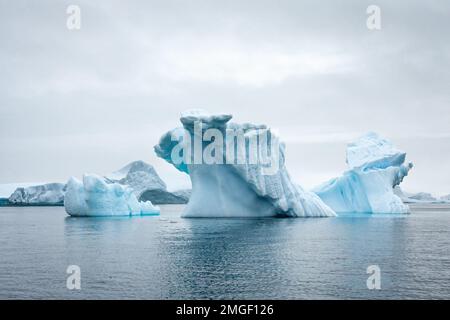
point(420, 197)
point(376, 167)
point(7, 189)
point(423, 197)
point(239, 186)
point(95, 197)
point(138, 175)
point(50, 194)
point(146, 183)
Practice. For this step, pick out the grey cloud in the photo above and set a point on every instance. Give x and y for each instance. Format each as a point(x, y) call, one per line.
point(312, 69)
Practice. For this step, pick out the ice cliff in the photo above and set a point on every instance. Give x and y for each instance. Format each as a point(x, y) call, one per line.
point(45, 195)
point(240, 187)
point(376, 166)
point(95, 197)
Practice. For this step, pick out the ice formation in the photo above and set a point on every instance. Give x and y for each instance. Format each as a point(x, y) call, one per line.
point(45, 194)
point(423, 197)
point(404, 196)
point(245, 188)
point(95, 197)
point(7, 189)
point(146, 183)
point(138, 175)
point(420, 197)
point(376, 166)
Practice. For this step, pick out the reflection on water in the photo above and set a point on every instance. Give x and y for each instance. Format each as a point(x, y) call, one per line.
point(169, 257)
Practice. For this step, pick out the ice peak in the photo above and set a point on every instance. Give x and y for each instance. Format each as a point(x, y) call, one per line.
point(376, 167)
point(373, 151)
point(139, 175)
point(189, 117)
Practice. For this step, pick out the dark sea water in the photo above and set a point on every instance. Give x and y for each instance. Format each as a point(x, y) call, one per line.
point(163, 257)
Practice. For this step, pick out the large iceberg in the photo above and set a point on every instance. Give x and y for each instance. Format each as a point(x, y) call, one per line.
point(95, 197)
point(376, 166)
point(50, 194)
point(232, 178)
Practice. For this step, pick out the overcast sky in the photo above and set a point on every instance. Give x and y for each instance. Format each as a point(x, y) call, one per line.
point(94, 99)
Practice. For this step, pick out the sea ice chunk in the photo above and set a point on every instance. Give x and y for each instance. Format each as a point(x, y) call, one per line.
point(237, 188)
point(95, 197)
point(376, 167)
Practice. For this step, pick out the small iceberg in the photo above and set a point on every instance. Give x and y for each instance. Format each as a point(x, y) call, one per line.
point(420, 197)
point(95, 197)
point(49, 194)
point(376, 167)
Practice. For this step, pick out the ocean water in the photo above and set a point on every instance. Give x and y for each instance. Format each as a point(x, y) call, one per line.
point(166, 257)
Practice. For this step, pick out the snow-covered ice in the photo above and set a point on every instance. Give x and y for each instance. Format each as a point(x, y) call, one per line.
point(7, 189)
point(138, 175)
point(238, 189)
point(423, 197)
point(45, 194)
point(146, 183)
point(419, 197)
point(94, 197)
point(376, 166)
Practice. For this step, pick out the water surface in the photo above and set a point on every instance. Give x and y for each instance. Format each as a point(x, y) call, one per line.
point(161, 257)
